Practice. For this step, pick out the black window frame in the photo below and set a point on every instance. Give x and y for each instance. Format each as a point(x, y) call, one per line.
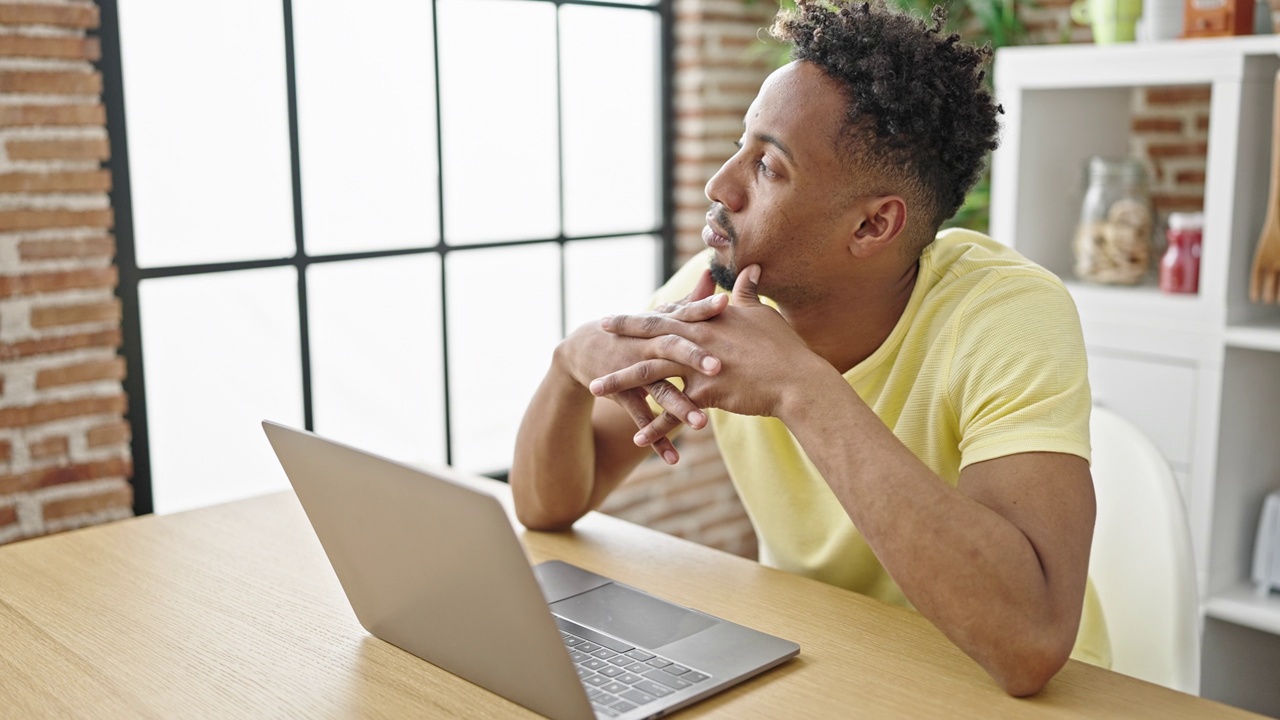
point(131, 275)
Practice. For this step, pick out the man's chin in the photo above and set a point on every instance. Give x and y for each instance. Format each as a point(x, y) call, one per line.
point(723, 275)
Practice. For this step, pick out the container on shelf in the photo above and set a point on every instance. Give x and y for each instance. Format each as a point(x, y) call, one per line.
point(1113, 239)
point(1180, 266)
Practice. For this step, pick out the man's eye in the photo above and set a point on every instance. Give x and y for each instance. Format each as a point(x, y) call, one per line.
point(765, 169)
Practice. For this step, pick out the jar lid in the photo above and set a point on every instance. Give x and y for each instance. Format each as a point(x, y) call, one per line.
point(1186, 221)
point(1126, 169)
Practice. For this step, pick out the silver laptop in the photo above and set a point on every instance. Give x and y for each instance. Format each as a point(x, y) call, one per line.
point(431, 564)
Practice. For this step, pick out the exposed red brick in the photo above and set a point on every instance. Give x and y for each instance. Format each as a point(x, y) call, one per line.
point(1189, 177)
point(54, 315)
point(1202, 122)
point(61, 343)
point(6, 451)
point(39, 182)
point(8, 515)
point(1157, 124)
point(45, 448)
point(94, 370)
point(57, 48)
point(1177, 149)
point(68, 248)
point(1178, 95)
point(50, 83)
point(111, 433)
point(91, 278)
point(1178, 203)
point(80, 472)
point(121, 497)
point(80, 149)
point(66, 15)
point(40, 115)
point(27, 415)
point(39, 219)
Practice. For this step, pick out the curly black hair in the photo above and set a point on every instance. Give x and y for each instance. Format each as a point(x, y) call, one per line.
point(917, 90)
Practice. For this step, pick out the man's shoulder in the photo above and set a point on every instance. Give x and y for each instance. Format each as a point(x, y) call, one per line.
point(967, 265)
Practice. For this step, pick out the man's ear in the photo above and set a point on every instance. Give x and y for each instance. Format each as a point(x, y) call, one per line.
point(883, 219)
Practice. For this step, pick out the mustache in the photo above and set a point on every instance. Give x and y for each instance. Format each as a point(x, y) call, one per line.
point(722, 219)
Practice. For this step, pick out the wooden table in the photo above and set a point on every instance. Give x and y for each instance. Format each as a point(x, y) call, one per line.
point(233, 611)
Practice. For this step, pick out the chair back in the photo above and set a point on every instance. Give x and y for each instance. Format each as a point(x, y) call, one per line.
point(1141, 563)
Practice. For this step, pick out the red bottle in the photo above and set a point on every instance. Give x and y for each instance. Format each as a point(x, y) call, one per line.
point(1180, 266)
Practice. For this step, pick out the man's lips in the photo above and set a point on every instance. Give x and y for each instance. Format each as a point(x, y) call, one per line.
point(713, 237)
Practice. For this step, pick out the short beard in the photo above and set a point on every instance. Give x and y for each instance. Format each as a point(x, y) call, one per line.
point(724, 275)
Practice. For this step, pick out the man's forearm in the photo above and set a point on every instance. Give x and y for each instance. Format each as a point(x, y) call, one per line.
point(553, 471)
point(964, 566)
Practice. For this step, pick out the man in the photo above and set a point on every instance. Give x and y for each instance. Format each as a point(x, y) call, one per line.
point(906, 416)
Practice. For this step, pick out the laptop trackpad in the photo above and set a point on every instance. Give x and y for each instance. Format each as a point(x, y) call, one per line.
point(635, 617)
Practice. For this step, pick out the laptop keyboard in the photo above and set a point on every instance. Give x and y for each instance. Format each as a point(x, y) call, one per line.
point(620, 678)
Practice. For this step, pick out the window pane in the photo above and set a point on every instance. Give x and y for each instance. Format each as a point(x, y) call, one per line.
point(611, 147)
point(604, 277)
point(504, 321)
point(498, 110)
point(377, 373)
point(366, 125)
point(222, 354)
point(208, 131)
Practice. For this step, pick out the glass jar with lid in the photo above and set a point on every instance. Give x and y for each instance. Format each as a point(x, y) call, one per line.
point(1113, 240)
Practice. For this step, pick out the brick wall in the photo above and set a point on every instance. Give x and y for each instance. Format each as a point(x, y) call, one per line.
point(64, 453)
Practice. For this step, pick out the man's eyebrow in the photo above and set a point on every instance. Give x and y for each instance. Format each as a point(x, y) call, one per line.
point(766, 138)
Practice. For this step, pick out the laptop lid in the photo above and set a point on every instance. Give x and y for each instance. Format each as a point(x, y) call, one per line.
point(433, 568)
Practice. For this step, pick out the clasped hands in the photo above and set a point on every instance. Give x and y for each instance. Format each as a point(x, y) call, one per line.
point(737, 356)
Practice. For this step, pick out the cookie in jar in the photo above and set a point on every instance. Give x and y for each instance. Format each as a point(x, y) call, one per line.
point(1113, 239)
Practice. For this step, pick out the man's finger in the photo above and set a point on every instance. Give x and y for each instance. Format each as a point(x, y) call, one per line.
point(636, 405)
point(744, 288)
point(704, 309)
point(657, 430)
point(639, 375)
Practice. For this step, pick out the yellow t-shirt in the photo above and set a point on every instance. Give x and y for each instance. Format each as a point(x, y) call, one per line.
point(987, 361)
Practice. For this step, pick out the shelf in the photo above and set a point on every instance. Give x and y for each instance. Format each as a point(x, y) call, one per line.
point(1255, 336)
point(1146, 302)
point(1241, 604)
point(1177, 62)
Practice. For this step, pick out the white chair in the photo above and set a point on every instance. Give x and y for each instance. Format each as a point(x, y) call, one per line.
point(1141, 564)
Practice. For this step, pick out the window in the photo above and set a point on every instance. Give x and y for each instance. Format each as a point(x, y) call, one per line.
point(374, 220)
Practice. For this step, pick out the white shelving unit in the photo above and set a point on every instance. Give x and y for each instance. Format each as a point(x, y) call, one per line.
point(1199, 373)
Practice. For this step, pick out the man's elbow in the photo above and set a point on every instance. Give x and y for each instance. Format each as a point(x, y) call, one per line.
point(1026, 672)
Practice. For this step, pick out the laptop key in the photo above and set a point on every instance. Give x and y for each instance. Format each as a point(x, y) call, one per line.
point(577, 656)
point(637, 697)
point(594, 694)
point(639, 655)
point(571, 640)
point(623, 706)
point(611, 671)
point(583, 672)
point(604, 711)
point(652, 688)
point(587, 647)
point(596, 680)
point(593, 663)
point(604, 653)
point(620, 660)
point(670, 681)
point(628, 678)
point(637, 668)
point(675, 669)
point(658, 662)
point(614, 687)
point(695, 676)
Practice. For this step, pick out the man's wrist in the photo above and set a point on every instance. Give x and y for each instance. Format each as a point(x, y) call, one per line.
point(816, 381)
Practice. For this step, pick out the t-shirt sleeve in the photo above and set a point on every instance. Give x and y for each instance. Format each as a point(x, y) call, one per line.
point(1019, 376)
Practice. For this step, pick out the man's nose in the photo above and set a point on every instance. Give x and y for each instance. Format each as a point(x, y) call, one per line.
point(725, 188)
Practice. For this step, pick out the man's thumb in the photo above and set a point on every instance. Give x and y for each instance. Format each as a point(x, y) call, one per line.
point(744, 288)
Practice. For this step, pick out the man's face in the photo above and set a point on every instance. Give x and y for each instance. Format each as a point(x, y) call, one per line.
point(782, 199)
